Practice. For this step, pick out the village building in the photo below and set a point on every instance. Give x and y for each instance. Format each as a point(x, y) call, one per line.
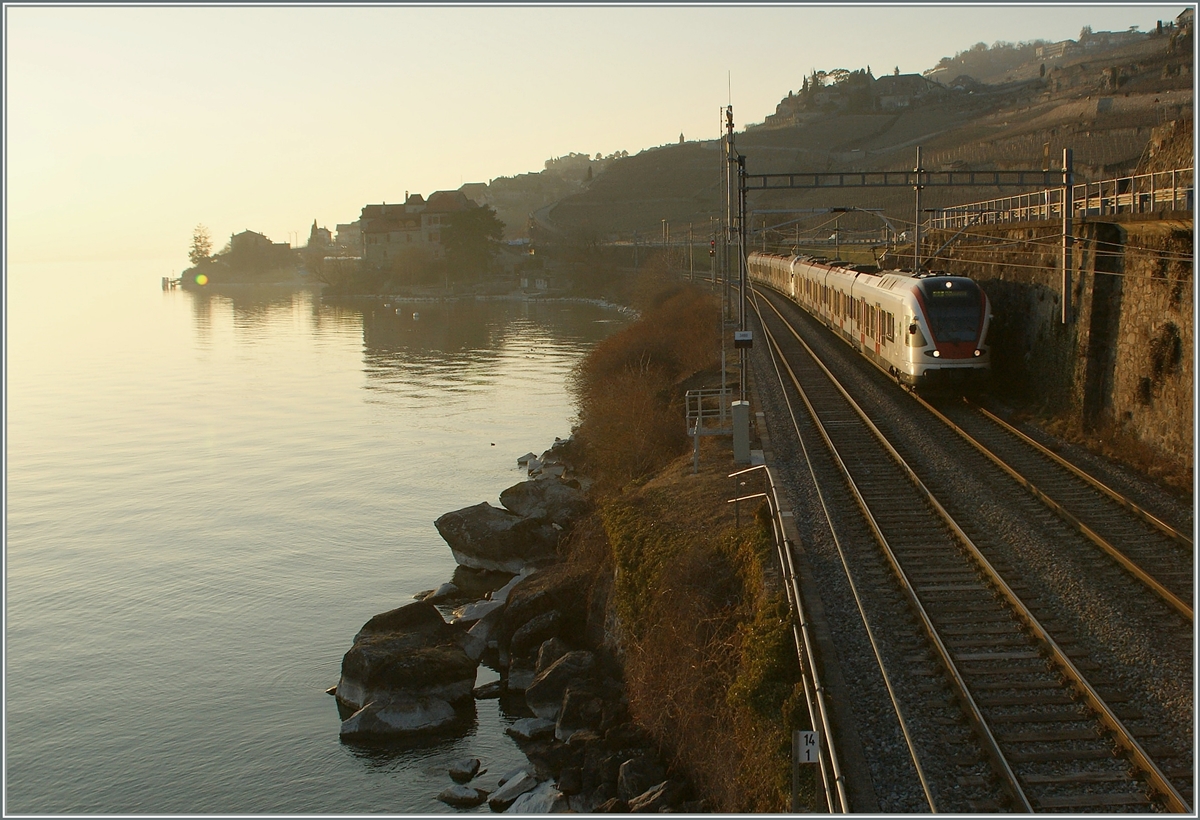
point(391, 232)
point(319, 237)
point(349, 236)
point(252, 241)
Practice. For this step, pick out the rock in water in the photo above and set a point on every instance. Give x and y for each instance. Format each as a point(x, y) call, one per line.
point(462, 797)
point(530, 728)
point(399, 716)
point(410, 652)
point(491, 538)
point(463, 770)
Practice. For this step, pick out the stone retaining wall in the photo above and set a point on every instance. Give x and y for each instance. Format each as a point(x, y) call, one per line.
point(1126, 357)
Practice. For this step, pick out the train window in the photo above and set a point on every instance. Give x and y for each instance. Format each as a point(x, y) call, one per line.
point(891, 327)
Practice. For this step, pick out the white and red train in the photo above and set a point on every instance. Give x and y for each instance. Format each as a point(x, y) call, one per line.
point(925, 329)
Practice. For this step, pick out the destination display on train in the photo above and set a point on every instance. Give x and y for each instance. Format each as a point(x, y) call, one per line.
point(947, 294)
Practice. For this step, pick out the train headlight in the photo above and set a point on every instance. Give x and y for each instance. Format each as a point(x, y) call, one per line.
point(978, 352)
point(937, 353)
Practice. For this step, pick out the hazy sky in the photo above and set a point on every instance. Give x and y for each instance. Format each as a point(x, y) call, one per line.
point(127, 126)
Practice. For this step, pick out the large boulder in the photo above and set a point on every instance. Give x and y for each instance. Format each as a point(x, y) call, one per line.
point(545, 799)
point(549, 499)
point(560, 588)
point(545, 694)
point(511, 789)
point(410, 652)
point(655, 799)
point(527, 640)
point(582, 710)
point(491, 538)
point(638, 774)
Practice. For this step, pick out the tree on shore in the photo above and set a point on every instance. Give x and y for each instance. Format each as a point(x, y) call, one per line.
point(201, 246)
point(471, 238)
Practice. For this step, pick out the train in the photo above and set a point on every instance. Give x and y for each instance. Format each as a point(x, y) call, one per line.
point(927, 330)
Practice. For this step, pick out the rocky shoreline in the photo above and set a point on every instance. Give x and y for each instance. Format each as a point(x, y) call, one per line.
point(545, 626)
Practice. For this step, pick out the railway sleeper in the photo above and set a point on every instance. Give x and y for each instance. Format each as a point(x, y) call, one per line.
point(1059, 755)
point(1031, 699)
point(962, 642)
point(1080, 801)
point(1077, 777)
point(1040, 717)
point(976, 617)
point(1003, 628)
point(1011, 685)
point(1056, 736)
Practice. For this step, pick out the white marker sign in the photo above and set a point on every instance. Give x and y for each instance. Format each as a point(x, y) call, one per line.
point(810, 746)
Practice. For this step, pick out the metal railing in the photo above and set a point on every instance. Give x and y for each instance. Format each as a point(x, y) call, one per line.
point(709, 405)
point(831, 780)
point(1144, 193)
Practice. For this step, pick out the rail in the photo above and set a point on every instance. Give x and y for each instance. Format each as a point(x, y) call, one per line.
point(1142, 193)
point(1085, 692)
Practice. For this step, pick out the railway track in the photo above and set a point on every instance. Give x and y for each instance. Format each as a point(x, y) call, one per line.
point(1154, 552)
point(998, 708)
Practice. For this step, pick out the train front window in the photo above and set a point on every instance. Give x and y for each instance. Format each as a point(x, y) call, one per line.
point(954, 312)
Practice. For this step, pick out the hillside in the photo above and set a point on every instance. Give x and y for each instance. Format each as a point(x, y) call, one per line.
point(1102, 102)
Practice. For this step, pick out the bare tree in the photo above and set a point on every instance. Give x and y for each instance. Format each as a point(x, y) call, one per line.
point(201, 245)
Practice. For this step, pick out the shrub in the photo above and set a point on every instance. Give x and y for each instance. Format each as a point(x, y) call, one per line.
point(627, 389)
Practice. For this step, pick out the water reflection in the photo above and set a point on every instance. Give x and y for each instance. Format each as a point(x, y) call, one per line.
point(460, 347)
point(255, 308)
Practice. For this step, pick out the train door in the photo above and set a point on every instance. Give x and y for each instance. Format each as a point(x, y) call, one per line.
point(879, 328)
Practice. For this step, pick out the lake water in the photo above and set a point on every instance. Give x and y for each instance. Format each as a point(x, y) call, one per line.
point(208, 494)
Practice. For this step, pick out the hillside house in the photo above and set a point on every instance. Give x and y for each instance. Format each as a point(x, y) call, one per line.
point(1054, 51)
point(895, 91)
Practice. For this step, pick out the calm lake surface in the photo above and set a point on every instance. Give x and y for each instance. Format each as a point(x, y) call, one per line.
point(208, 494)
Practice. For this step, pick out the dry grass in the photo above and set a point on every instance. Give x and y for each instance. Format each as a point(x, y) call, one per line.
point(710, 668)
point(1112, 442)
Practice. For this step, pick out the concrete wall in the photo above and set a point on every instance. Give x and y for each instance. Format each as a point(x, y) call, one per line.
point(1126, 357)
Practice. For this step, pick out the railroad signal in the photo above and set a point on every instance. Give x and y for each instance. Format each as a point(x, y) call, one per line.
point(712, 247)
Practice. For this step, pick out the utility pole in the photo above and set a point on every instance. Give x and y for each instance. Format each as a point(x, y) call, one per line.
point(726, 270)
point(741, 247)
point(1067, 207)
point(691, 256)
point(917, 222)
point(712, 252)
